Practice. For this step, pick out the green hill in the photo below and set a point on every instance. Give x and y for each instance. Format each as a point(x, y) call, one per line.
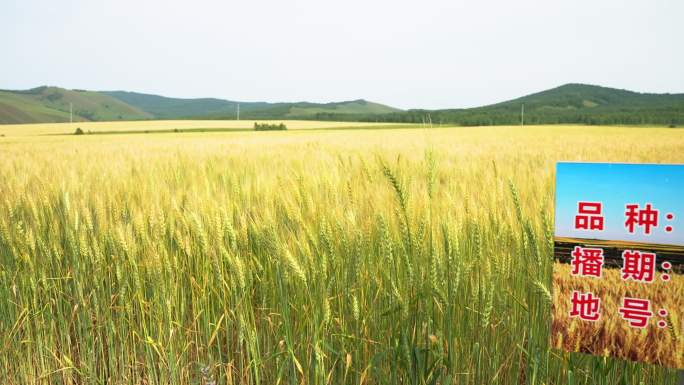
point(581, 103)
point(570, 103)
point(350, 107)
point(52, 104)
point(174, 108)
point(162, 107)
point(305, 110)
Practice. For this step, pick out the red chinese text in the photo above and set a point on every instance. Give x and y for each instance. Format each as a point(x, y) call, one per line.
point(585, 306)
point(589, 216)
point(587, 262)
point(636, 311)
point(646, 217)
point(638, 266)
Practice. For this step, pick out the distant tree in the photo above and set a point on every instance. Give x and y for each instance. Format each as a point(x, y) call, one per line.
point(78, 131)
point(269, 127)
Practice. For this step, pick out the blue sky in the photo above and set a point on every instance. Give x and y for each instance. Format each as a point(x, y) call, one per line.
point(616, 185)
point(408, 54)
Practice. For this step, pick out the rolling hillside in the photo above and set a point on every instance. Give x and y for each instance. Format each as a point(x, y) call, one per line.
point(51, 104)
point(162, 107)
point(175, 108)
point(581, 103)
point(305, 110)
point(570, 103)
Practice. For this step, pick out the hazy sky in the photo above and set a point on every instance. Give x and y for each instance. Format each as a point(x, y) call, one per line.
point(428, 53)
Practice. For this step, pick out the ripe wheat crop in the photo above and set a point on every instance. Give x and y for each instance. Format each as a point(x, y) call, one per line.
point(407, 256)
point(610, 335)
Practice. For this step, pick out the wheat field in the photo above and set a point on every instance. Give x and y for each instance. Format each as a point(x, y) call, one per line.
point(610, 335)
point(394, 256)
point(152, 126)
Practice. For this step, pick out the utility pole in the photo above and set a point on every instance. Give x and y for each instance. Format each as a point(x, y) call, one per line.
point(522, 115)
point(238, 111)
point(71, 112)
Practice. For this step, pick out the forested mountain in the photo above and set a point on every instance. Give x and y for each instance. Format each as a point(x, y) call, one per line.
point(52, 104)
point(570, 103)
